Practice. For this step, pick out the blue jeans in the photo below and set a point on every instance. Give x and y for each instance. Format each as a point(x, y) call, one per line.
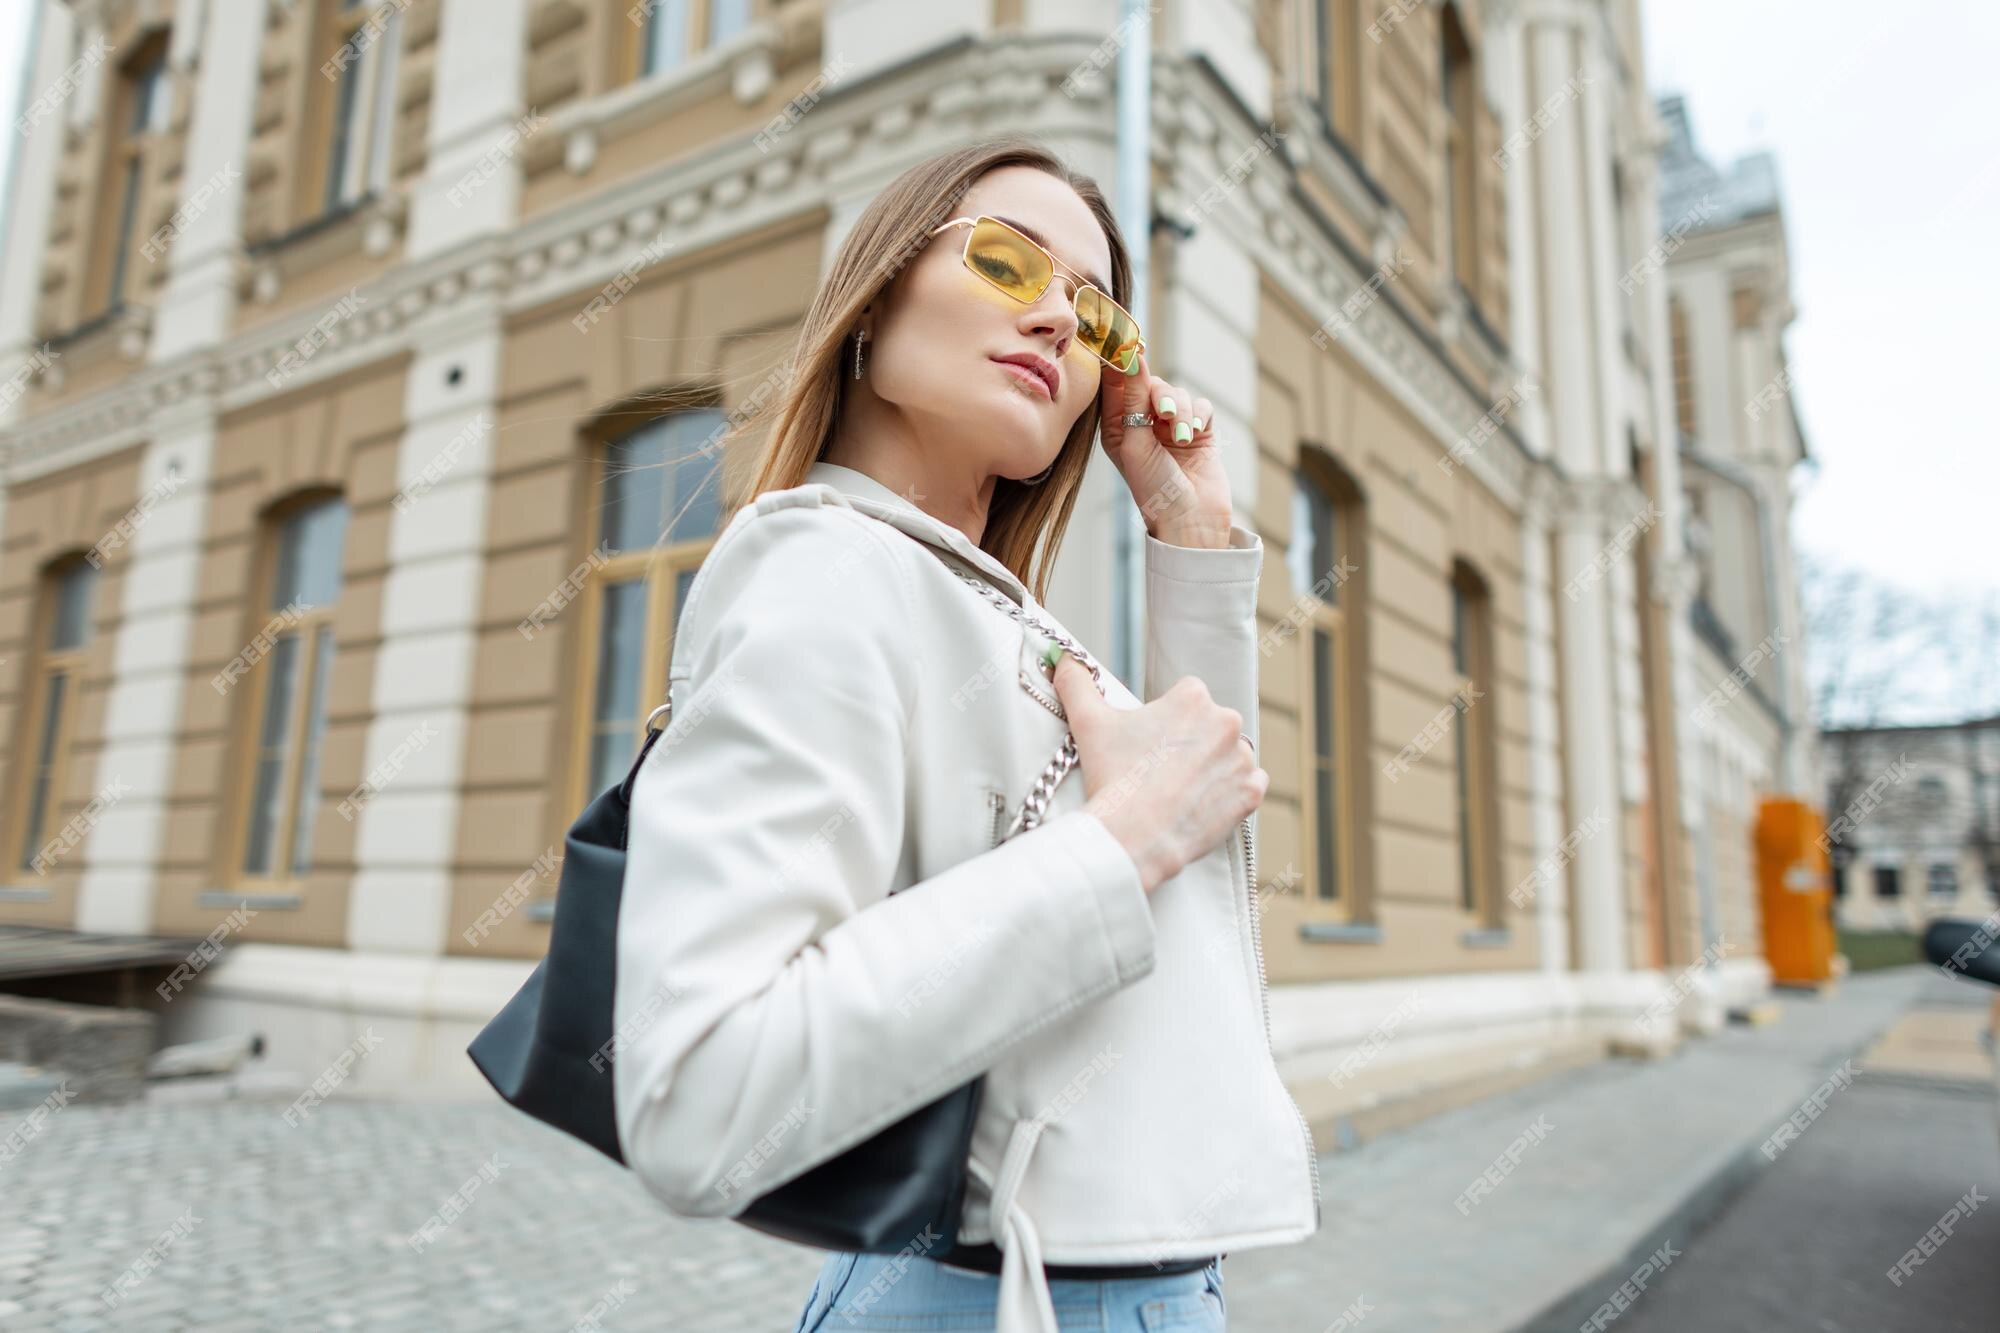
point(860, 1292)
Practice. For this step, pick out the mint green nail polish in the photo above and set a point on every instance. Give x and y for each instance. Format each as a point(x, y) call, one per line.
point(1183, 432)
point(1167, 407)
point(1051, 655)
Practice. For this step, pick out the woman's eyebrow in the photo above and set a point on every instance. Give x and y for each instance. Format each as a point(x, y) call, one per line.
point(1043, 241)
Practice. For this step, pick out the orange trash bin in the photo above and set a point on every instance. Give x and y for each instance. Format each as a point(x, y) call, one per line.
point(1795, 891)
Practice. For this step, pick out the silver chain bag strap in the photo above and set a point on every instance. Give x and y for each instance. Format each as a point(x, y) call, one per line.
point(1035, 806)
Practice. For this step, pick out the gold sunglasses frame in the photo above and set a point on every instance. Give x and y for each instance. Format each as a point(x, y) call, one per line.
point(1077, 281)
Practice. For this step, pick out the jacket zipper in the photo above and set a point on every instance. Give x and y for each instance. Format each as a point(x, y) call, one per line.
point(1264, 1000)
point(998, 801)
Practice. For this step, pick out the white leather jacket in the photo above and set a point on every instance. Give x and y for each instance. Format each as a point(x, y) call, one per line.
point(818, 934)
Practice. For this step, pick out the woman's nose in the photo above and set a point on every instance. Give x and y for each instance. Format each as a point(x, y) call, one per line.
point(1054, 312)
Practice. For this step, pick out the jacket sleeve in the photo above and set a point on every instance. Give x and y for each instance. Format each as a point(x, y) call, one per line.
point(775, 1004)
point(1201, 619)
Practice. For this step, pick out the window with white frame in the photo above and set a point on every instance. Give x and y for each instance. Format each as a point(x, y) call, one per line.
point(657, 508)
point(351, 109)
point(66, 616)
point(668, 33)
point(287, 707)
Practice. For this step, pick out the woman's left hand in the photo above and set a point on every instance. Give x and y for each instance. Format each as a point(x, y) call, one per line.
point(1172, 466)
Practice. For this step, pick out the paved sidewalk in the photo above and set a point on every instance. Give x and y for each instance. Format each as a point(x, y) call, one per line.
point(1827, 1240)
point(1618, 1158)
point(223, 1216)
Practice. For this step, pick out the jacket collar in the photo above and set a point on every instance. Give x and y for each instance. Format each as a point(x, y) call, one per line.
point(873, 498)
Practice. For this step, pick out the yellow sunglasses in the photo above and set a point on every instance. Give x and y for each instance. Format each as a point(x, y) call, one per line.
point(1023, 268)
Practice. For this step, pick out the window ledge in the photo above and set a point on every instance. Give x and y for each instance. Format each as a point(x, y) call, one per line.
point(1487, 938)
point(1322, 151)
point(371, 225)
point(744, 67)
point(256, 902)
point(1340, 932)
point(124, 332)
point(23, 894)
point(1460, 325)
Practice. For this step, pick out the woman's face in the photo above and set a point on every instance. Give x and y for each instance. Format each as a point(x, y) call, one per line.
point(934, 352)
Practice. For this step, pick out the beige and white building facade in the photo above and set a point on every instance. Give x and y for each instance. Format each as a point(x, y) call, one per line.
point(329, 592)
point(1750, 731)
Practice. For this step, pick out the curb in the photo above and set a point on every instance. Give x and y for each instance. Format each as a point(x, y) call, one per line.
point(1683, 1222)
point(24, 1087)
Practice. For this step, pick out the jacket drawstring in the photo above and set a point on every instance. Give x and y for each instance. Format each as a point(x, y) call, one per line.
point(1025, 1303)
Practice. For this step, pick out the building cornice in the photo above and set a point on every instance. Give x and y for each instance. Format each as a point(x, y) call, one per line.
point(740, 186)
point(1204, 135)
point(1602, 504)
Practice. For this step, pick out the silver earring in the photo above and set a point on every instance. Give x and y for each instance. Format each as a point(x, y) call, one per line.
point(1039, 477)
point(859, 338)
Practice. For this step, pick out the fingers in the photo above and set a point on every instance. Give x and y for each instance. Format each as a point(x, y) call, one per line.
point(1136, 389)
point(1180, 417)
point(1076, 688)
point(1169, 412)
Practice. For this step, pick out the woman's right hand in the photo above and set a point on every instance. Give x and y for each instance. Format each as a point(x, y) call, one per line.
point(1170, 779)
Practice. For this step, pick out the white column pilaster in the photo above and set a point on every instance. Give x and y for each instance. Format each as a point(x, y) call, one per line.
point(407, 822)
point(863, 36)
point(1590, 737)
point(479, 122)
point(1551, 903)
point(149, 675)
point(407, 828)
point(1577, 400)
point(204, 241)
point(143, 714)
point(31, 201)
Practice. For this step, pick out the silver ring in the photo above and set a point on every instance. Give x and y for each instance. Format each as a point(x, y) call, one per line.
point(1247, 741)
point(1137, 418)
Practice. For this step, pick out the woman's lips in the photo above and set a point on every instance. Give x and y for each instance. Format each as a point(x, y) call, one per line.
point(1027, 376)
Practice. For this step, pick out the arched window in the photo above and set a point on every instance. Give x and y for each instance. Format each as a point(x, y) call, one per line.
point(138, 112)
point(662, 35)
point(1322, 558)
point(350, 104)
point(1476, 734)
point(1680, 350)
point(285, 665)
point(1458, 82)
point(62, 633)
point(656, 505)
point(1329, 39)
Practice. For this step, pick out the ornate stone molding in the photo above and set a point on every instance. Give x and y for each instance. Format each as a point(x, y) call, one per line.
point(1601, 505)
point(744, 68)
point(1541, 497)
point(1201, 137)
point(738, 186)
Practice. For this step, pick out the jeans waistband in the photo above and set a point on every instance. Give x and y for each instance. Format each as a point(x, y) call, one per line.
point(986, 1258)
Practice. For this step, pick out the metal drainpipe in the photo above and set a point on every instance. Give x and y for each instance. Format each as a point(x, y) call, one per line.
point(1135, 212)
point(1774, 609)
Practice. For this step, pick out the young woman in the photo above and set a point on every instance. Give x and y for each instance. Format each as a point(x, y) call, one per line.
point(833, 879)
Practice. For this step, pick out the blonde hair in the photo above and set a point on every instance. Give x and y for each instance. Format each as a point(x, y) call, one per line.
point(798, 420)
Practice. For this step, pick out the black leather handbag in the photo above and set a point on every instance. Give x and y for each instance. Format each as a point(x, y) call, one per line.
point(549, 1051)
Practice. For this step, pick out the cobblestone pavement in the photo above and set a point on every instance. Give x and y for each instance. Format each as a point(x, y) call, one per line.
point(223, 1216)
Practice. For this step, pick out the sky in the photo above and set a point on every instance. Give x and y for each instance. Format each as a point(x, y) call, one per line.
point(1885, 122)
